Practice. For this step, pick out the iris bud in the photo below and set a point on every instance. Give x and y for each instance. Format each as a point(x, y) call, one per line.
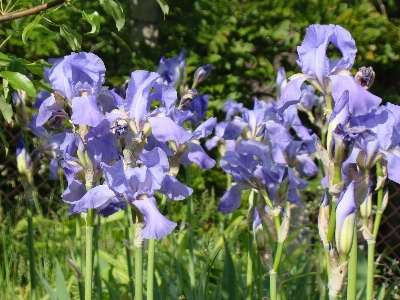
point(365, 77)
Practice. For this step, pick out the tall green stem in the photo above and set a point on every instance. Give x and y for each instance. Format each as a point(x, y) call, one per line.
point(97, 274)
point(127, 226)
point(79, 261)
point(272, 281)
point(371, 270)
point(352, 271)
point(28, 185)
point(89, 254)
point(150, 258)
point(139, 273)
point(138, 244)
point(192, 273)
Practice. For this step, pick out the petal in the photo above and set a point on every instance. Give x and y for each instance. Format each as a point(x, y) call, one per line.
point(312, 52)
point(195, 154)
point(164, 129)
point(232, 198)
point(205, 128)
point(85, 111)
point(361, 101)
point(46, 110)
point(115, 176)
point(346, 206)
point(96, 198)
point(291, 94)
point(175, 190)
point(157, 226)
point(136, 103)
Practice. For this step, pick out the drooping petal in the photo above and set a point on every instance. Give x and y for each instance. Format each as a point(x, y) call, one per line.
point(232, 198)
point(195, 154)
point(361, 101)
point(157, 226)
point(85, 111)
point(291, 94)
point(96, 198)
point(115, 176)
point(173, 189)
point(205, 128)
point(164, 129)
point(46, 110)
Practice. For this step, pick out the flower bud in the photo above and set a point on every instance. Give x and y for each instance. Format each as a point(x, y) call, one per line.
point(365, 77)
point(345, 221)
point(323, 219)
point(366, 207)
point(23, 159)
point(201, 74)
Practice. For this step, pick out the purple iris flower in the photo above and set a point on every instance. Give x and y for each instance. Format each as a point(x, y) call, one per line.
point(77, 79)
point(49, 145)
point(331, 77)
point(172, 71)
point(135, 110)
point(137, 186)
point(198, 106)
point(384, 123)
point(249, 166)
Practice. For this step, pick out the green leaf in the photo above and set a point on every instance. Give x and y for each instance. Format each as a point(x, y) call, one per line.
point(228, 286)
point(62, 291)
point(111, 291)
point(4, 141)
point(6, 109)
point(4, 60)
point(19, 82)
point(164, 6)
point(52, 294)
point(115, 10)
point(29, 28)
point(94, 19)
point(73, 38)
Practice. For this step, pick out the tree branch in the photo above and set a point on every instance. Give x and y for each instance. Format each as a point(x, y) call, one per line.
point(30, 11)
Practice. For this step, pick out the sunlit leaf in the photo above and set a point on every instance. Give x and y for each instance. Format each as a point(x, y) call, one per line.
point(19, 82)
point(73, 38)
point(164, 6)
point(115, 10)
point(6, 109)
point(94, 19)
point(29, 28)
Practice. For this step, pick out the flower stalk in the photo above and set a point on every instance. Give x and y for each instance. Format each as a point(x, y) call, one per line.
point(89, 254)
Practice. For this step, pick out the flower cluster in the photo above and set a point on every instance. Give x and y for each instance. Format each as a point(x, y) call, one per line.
point(361, 134)
point(121, 148)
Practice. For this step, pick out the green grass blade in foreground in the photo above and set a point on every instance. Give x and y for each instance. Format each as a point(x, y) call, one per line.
point(62, 291)
point(228, 287)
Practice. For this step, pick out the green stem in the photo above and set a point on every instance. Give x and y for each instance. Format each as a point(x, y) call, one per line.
point(150, 269)
point(89, 254)
point(272, 281)
point(352, 270)
point(332, 221)
point(127, 225)
point(30, 241)
point(371, 270)
point(278, 255)
point(379, 199)
point(150, 258)
point(138, 273)
point(192, 273)
point(97, 274)
point(249, 277)
point(79, 261)
point(138, 243)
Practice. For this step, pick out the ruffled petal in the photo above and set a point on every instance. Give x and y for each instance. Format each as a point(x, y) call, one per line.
point(164, 129)
point(96, 198)
point(85, 111)
point(196, 154)
point(175, 190)
point(157, 226)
